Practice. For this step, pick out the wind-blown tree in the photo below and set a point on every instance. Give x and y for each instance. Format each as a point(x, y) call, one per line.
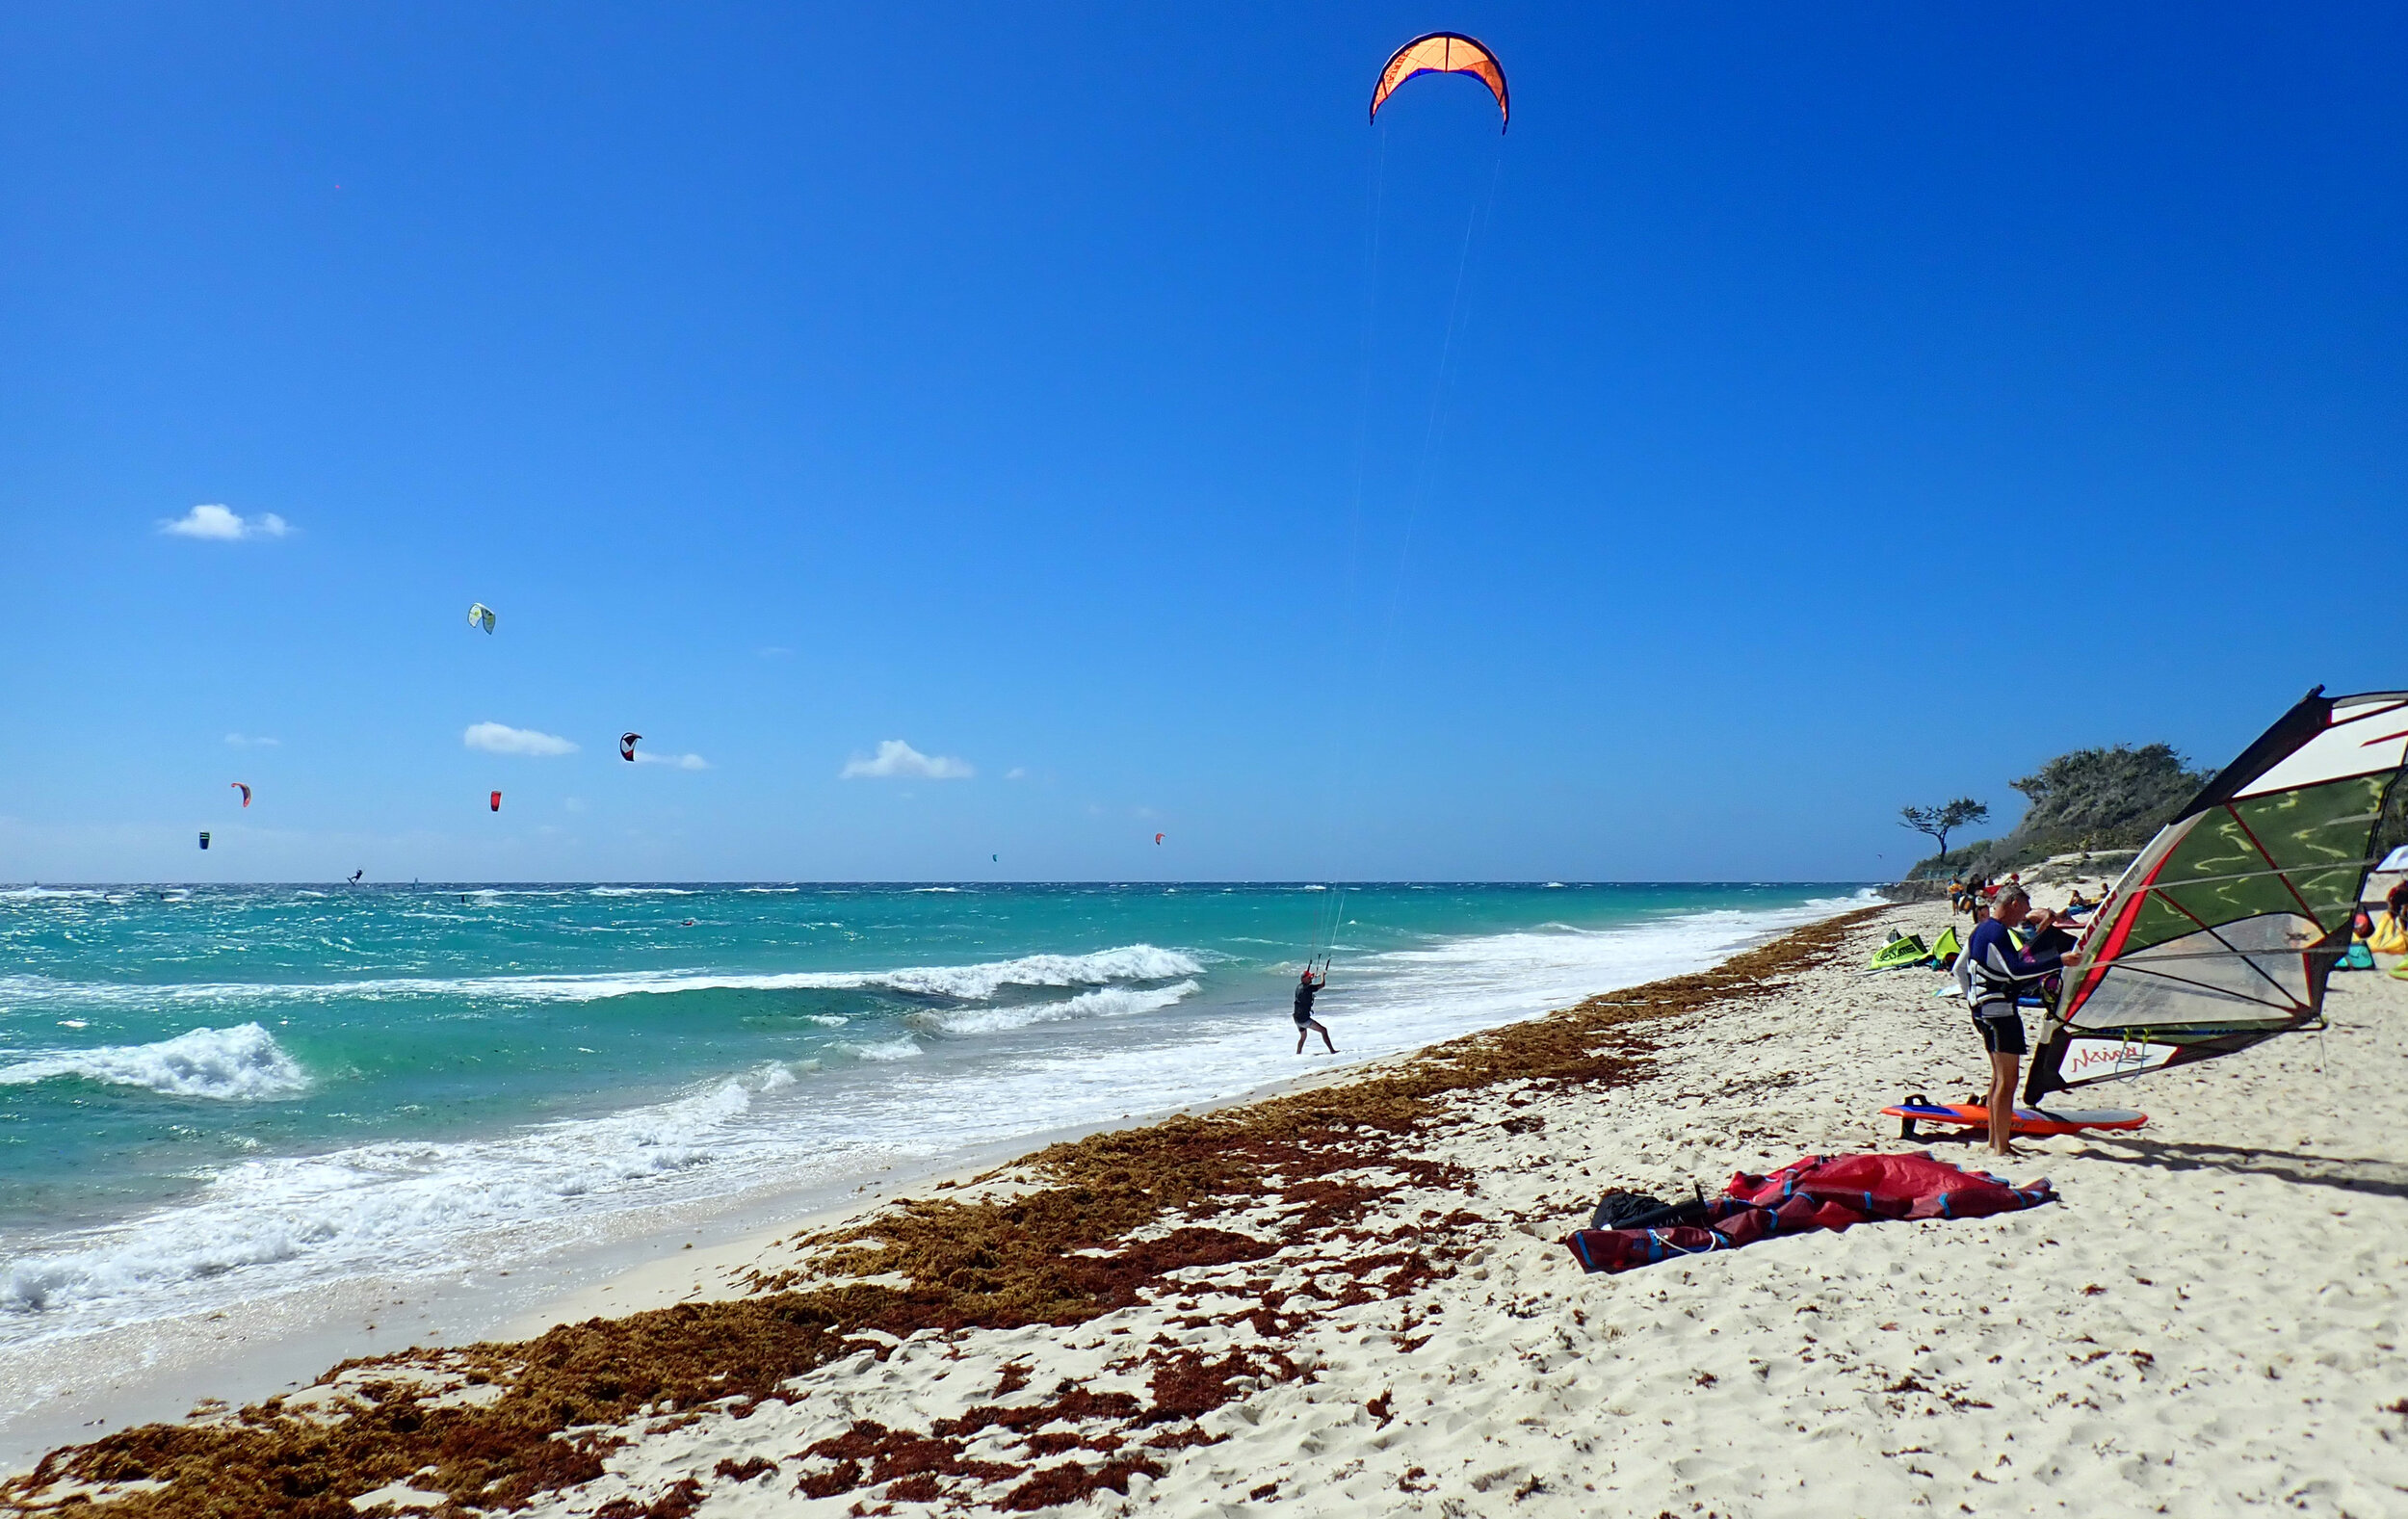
point(2104, 799)
point(1940, 821)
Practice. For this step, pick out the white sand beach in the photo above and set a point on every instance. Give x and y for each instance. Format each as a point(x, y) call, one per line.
point(2208, 1321)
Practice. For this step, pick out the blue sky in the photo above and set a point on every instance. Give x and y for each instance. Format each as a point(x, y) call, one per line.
point(1844, 406)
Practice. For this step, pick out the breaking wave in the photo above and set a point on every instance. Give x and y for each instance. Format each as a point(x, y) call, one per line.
point(1137, 962)
point(231, 1064)
point(898, 1084)
point(903, 1047)
point(391, 1207)
point(1107, 1001)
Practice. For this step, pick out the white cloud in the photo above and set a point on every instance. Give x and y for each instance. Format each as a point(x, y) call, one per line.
point(217, 522)
point(896, 758)
point(775, 651)
point(1017, 772)
point(241, 742)
point(496, 738)
point(681, 761)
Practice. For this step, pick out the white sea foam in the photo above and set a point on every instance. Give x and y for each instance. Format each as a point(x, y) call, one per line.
point(275, 1224)
point(1103, 1002)
point(902, 1048)
point(393, 1208)
point(963, 982)
point(639, 891)
point(238, 1064)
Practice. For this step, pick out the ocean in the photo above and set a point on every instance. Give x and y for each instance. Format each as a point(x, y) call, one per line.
point(211, 1095)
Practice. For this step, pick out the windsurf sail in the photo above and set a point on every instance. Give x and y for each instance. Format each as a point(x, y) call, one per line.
point(2224, 930)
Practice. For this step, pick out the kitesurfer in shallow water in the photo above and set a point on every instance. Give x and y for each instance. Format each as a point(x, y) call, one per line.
point(1306, 989)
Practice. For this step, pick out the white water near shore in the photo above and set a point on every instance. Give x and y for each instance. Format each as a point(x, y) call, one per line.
point(2206, 1321)
point(406, 1209)
point(266, 1238)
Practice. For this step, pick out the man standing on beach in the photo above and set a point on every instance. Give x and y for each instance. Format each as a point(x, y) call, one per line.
point(1995, 972)
point(1306, 989)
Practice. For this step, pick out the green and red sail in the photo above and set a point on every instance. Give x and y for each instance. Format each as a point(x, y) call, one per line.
point(2223, 932)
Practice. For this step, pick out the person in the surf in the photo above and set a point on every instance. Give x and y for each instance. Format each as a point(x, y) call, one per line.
point(1306, 989)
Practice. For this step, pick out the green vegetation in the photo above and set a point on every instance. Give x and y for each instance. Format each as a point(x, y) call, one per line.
point(1942, 821)
point(2098, 801)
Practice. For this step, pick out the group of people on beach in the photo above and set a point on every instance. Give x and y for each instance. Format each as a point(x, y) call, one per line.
point(1975, 895)
point(2012, 947)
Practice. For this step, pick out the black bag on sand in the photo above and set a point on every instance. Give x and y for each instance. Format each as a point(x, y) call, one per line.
point(1638, 1211)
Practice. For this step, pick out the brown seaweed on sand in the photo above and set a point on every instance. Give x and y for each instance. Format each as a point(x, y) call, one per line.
point(1101, 1224)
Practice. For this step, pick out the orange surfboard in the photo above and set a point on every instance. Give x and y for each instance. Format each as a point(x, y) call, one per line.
point(2027, 1120)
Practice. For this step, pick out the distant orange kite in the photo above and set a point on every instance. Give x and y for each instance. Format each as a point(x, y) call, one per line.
point(1443, 53)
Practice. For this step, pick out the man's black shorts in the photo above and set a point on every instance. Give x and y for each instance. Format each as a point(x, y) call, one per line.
point(2003, 1035)
point(1303, 1016)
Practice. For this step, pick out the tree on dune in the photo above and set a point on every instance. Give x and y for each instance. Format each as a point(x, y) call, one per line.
point(2099, 804)
point(1941, 820)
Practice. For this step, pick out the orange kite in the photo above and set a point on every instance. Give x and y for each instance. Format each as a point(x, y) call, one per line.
point(1443, 53)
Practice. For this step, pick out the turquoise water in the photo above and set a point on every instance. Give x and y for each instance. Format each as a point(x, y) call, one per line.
point(209, 1093)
